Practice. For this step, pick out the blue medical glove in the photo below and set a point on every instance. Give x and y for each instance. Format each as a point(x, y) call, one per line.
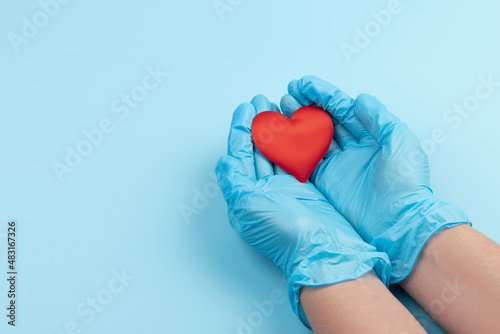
point(290, 222)
point(375, 174)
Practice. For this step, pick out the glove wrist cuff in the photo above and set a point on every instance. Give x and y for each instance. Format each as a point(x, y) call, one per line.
point(404, 241)
point(335, 268)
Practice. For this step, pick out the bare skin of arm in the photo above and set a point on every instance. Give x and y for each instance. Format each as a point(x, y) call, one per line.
point(363, 305)
point(457, 280)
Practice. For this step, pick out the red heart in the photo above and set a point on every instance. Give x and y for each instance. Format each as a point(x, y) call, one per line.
point(298, 144)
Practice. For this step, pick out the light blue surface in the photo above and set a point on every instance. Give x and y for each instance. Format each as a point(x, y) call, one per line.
point(120, 208)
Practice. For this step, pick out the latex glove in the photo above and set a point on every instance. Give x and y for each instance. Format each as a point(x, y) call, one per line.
point(375, 173)
point(290, 222)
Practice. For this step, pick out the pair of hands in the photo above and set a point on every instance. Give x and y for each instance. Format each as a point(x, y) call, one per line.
point(368, 204)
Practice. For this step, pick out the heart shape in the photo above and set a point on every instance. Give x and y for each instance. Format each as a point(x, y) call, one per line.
point(296, 144)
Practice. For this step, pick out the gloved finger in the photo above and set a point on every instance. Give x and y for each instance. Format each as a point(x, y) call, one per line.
point(261, 103)
point(274, 107)
point(319, 171)
point(289, 105)
point(233, 180)
point(279, 171)
point(263, 167)
point(332, 99)
point(342, 136)
point(332, 149)
point(240, 143)
point(375, 117)
point(293, 90)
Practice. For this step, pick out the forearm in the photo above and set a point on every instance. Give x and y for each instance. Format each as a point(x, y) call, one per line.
point(457, 280)
point(363, 305)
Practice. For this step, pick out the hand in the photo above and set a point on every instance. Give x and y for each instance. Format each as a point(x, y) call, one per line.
point(290, 222)
point(375, 173)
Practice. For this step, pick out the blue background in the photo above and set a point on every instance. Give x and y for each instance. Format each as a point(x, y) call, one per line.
point(120, 209)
